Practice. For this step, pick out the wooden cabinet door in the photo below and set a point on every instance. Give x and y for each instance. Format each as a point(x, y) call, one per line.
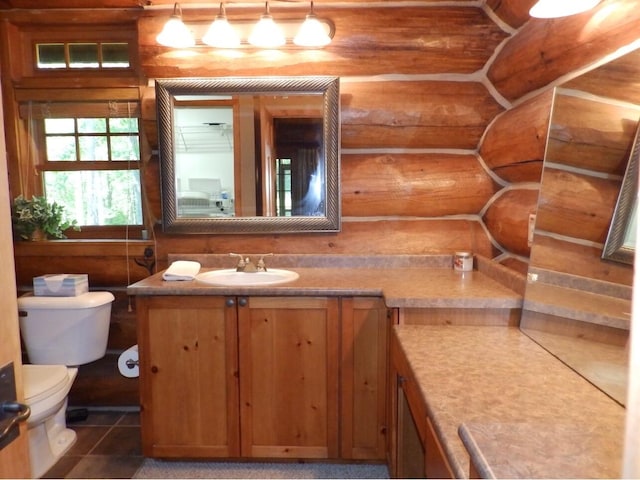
point(289, 353)
point(188, 376)
point(364, 376)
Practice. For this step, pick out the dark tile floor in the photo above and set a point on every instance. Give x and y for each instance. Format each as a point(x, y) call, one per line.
point(108, 446)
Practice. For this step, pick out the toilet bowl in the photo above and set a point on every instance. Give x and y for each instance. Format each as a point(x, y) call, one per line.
point(59, 333)
point(45, 389)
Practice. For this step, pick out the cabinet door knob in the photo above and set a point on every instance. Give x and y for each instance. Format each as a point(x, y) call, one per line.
point(230, 302)
point(243, 302)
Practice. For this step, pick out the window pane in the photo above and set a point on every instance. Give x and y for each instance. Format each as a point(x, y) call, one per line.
point(92, 125)
point(83, 55)
point(123, 125)
point(115, 55)
point(51, 55)
point(97, 197)
point(59, 125)
point(93, 148)
point(61, 148)
point(125, 148)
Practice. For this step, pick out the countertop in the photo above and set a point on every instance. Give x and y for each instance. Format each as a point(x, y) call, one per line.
point(402, 283)
point(501, 401)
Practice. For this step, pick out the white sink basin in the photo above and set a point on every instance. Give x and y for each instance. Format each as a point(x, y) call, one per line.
point(231, 278)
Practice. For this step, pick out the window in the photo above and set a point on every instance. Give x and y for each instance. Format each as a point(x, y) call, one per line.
point(89, 159)
point(84, 55)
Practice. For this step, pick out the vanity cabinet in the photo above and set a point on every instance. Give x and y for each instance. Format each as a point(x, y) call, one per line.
point(289, 356)
point(416, 451)
point(364, 378)
point(188, 354)
point(239, 376)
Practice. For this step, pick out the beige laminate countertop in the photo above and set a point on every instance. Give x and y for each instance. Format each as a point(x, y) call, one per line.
point(500, 400)
point(400, 287)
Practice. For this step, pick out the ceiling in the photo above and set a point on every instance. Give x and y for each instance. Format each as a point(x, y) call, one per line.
point(63, 4)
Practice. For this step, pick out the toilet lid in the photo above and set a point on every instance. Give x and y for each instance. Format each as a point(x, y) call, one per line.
point(40, 381)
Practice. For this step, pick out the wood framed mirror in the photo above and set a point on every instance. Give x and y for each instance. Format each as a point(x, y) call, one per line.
point(249, 154)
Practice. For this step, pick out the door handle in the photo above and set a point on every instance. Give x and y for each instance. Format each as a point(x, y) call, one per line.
point(17, 412)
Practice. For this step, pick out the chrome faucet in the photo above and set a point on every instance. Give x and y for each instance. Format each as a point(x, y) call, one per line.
point(246, 265)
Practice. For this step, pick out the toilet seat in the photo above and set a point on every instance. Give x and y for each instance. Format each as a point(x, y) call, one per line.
point(42, 381)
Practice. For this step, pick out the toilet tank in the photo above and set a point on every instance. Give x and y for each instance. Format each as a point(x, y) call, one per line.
point(65, 330)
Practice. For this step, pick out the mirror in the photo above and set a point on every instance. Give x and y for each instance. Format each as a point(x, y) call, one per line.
point(621, 240)
point(249, 154)
point(577, 304)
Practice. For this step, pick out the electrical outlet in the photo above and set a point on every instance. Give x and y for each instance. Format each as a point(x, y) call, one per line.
point(532, 227)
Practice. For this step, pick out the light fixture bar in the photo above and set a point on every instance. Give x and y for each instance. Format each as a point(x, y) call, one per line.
point(314, 32)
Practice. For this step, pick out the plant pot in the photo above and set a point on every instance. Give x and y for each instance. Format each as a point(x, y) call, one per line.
point(38, 235)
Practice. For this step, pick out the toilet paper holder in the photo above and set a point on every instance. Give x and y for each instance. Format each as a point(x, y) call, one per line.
point(132, 363)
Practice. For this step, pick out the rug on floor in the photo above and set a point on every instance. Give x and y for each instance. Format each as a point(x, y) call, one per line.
point(152, 468)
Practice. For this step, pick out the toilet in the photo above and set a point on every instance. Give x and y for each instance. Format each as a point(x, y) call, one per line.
point(59, 333)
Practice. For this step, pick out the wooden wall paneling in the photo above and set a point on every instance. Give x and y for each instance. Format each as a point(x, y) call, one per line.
point(408, 40)
point(591, 134)
point(513, 146)
point(576, 205)
point(514, 12)
point(542, 51)
point(107, 263)
point(415, 114)
point(422, 185)
point(374, 236)
point(507, 218)
point(577, 259)
point(460, 316)
point(612, 80)
point(99, 383)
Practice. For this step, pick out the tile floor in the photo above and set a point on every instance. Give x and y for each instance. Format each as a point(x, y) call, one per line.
point(108, 446)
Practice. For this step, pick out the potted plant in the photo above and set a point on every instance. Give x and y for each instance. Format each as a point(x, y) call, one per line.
point(37, 219)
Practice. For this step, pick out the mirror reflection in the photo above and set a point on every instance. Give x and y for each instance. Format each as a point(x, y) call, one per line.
point(577, 305)
point(621, 241)
point(249, 154)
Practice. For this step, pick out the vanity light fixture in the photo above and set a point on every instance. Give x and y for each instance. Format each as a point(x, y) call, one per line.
point(312, 33)
point(266, 33)
point(561, 8)
point(175, 33)
point(221, 34)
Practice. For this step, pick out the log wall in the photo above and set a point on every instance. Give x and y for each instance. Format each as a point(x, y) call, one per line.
point(461, 151)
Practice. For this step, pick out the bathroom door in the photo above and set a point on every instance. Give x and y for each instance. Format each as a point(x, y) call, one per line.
point(14, 458)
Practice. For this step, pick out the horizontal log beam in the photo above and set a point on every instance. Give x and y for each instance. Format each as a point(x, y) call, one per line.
point(542, 51)
point(418, 185)
point(415, 114)
point(514, 144)
point(375, 41)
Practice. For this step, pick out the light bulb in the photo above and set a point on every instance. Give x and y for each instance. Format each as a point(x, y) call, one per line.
point(561, 8)
point(312, 32)
point(175, 33)
point(266, 34)
point(221, 34)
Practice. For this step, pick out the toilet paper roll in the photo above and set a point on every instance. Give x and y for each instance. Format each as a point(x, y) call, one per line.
point(128, 362)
